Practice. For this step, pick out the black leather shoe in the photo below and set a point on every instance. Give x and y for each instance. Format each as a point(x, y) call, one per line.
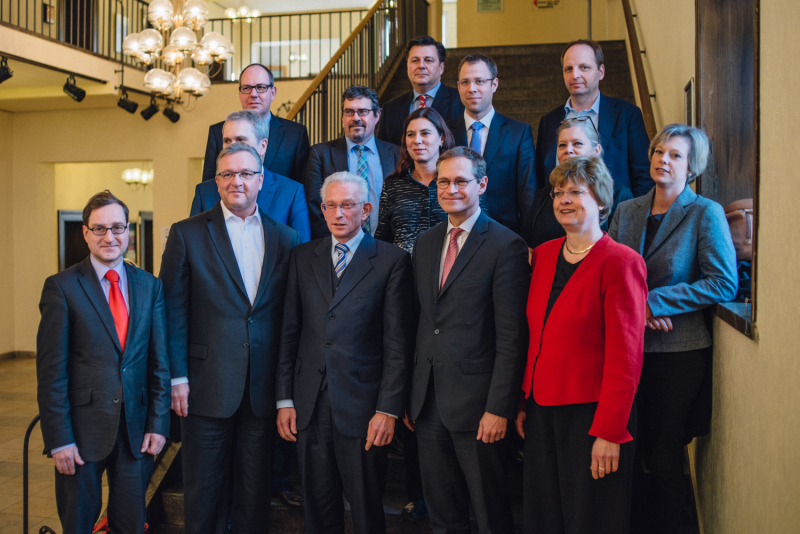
point(415, 511)
point(290, 498)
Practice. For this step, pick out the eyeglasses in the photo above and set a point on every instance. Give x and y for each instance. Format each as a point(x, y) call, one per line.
point(583, 118)
point(117, 229)
point(352, 112)
point(246, 175)
point(479, 82)
point(346, 206)
point(571, 194)
point(260, 88)
point(461, 183)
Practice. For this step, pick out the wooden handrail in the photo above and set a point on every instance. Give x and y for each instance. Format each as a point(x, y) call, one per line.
point(329, 66)
point(638, 69)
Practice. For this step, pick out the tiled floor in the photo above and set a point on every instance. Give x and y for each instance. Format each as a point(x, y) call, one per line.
point(17, 408)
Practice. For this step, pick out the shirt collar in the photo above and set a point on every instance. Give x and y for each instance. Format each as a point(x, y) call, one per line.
point(466, 225)
point(369, 144)
point(431, 93)
point(352, 245)
point(486, 120)
point(101, 269)
point(227, 214)
point(594, 109)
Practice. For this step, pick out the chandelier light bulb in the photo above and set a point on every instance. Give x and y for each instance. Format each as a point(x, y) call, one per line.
point(230, 13)
point(255, 13)
point(145, 59)
point(130, 45)
point(183, 39)
point(243, 11)
point(171, 56)
point(202, 56)
point(147, 177)
point(160, 13)
point(150, 41)
point(159, 81)
point(190, 80)
point(195, 14)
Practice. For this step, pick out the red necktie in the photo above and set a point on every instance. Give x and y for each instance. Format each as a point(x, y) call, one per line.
point(118, 308)
point(422, 101)
point(452, 252)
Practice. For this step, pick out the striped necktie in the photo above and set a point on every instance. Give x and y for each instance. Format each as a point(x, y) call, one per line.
point(452, 252)
point(362, 169)
point(341, 261)
point(422, 102)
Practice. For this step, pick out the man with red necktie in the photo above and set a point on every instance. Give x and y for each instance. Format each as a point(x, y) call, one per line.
point(103, 376)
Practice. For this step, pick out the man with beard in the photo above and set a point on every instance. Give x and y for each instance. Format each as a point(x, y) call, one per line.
point(359, 153)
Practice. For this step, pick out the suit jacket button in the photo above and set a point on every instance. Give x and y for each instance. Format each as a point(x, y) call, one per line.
point(329, 344)
point(123, 369)
point(250, 320)
point(116, 400)
point(320, 371)
point(331, 317)
point(436, 331)
point(246, 345)
point(430, 360)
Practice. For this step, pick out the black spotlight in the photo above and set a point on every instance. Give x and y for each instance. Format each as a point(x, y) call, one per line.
point(128, 105)
point(149, 111)
point(171, 114)
point(5, 72)
point(75, 93)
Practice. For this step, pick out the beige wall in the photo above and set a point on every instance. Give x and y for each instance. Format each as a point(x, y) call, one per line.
point(750, 462)
point(6, 236)
point(450, 30)
point(521, 22)
point(76, 182)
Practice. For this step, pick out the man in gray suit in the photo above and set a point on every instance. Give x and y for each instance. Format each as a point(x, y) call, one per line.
point(103, 376)
point(471, 277)
point(344, 360)
point(224, 275)
point(358, 152)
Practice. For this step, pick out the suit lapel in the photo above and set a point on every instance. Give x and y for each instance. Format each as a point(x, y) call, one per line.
point(271, 253)
point(222, 243)
point(339, 156)
point(274, 142)
point(675, 214)
point(639, 220)
point(267, 191)
point(358, 268)
point(134, 301)
point(609, 112)
point(459, 131)
point(387, 163)
point(402, 110)
point(442, 100)
point(497, 131)
point(321, 265)
point(94, 292)
point(474, 240)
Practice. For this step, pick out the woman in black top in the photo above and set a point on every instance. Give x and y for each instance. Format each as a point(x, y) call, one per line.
point(409, 204)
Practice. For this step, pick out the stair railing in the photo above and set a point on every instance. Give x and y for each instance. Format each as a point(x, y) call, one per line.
point(365, 58)
point(638, 69)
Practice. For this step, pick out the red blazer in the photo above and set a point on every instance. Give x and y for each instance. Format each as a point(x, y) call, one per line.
point(591, 348)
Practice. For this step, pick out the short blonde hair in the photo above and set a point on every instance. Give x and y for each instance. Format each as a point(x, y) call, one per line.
point(698, 146)
point(592, 173)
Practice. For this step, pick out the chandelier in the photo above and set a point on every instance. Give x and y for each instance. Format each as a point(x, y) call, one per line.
point(175, 24)
point(243, 12)
point(136, 177)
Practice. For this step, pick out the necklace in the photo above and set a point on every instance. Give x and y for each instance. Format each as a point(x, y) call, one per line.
point(584, 251)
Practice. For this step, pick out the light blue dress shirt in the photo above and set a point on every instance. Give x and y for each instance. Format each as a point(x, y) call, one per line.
point(415, 103)
point(375, 175)
point(593, 112)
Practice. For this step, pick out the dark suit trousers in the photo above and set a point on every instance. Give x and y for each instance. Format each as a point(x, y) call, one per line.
point(210, 446)
point(79, 497)
point(457, 470)
point(559, 494)
point(330, 463)
point(668, 388)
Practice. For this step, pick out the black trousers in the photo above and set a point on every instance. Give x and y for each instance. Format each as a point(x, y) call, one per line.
point(332, 463)
point(79, 496)
point(458, 470)
point(210, 446)
point(668, 388)
point(559, 494)
point(410, 461)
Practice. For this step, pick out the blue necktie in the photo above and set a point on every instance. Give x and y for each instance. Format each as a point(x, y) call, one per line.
point(362, 169)
point(341, 261)
point(475, 142)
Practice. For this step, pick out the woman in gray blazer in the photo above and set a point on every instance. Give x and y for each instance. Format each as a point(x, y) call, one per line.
point(691, 264)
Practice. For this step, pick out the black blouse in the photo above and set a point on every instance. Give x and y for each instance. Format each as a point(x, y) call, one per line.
point(564, 271)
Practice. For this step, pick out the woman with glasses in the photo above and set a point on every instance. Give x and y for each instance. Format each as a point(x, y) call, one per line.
point(691, 264)
point(585, 310)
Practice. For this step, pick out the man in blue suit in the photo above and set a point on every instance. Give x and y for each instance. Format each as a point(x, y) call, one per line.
point(281, 198)
point(620, 124)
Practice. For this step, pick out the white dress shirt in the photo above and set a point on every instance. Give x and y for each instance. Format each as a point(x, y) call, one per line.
point(483, 132)
point(460, 240)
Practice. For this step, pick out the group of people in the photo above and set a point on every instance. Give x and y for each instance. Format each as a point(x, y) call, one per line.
point(436, 281)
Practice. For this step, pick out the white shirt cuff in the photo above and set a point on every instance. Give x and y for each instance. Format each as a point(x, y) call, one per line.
point(384, 413)
point(59, 449)
point(181, 380)
point(285, 403)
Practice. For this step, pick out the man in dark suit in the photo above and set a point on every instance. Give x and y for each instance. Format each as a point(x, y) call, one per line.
point(620, 124)
point(103, 376)
point(287, 148)
point(345, 355)
point(224, 275)
point(425, 63)
point(281, 198)
point(471, 276)
point(505, 144)
point(358, 152)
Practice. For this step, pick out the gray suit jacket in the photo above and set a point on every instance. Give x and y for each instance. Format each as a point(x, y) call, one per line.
point(473, 333)
point(84, 375)
point(691, 265)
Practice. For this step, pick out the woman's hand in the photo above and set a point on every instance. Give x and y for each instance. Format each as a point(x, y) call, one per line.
point(520, 423)
point(605, 458)
point(657, 323)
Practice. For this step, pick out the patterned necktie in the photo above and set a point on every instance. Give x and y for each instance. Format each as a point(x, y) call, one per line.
point(341, 261)
point(422, 100)
point(362, 169)
point(118, 309)
point(475, 142)
point(452, 252)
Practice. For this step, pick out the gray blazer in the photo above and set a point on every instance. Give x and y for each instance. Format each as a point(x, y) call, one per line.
point(691, 264)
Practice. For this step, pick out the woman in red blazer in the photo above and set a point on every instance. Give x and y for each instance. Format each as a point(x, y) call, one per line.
point(586, 311)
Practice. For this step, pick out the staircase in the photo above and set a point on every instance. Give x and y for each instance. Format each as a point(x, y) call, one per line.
point(531, 83)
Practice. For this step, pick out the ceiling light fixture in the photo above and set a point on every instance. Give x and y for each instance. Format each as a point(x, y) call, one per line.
point(128, 105)
point(171, 114)
point(73, 91)
point(5, 72)
point(148, 112)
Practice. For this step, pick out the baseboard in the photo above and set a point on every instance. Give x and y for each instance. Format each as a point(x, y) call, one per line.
point(17, 355)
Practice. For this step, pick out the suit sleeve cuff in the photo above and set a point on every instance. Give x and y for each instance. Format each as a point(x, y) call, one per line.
point(59, 449)
point(286, 403)
point(180, 380)
point(384, 413)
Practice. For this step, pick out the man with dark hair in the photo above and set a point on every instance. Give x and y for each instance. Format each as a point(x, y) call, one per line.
point(287, 141)
point(620, 124)
point(425, 63)
point(224, 275)
point(103, 376)
point(505, 144)
point(471, 277)
point(358, 152)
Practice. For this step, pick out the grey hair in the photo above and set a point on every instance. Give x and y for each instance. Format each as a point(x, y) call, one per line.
point(260, 126)
point(478, 163)
point(698, 146)
point(345, 177)
point(591, 172)
point(235, 148)
point(589, 129)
